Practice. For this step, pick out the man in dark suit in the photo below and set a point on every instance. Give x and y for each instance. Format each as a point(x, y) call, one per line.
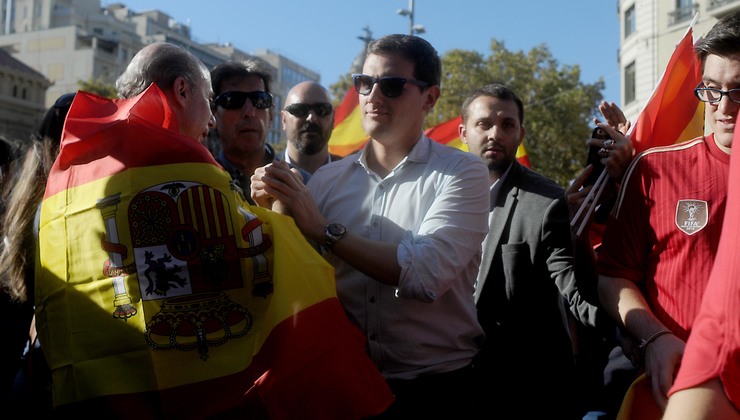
point(527, 283)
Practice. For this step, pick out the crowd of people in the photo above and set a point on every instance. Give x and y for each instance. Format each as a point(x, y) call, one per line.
point(475, 293)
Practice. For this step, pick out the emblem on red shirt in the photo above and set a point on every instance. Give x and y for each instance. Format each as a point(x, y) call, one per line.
point(691, 215)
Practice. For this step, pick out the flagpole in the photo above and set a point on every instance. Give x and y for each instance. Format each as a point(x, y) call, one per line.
point(657, 86)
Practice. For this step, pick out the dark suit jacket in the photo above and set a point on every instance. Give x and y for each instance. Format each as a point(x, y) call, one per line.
point(526, 284)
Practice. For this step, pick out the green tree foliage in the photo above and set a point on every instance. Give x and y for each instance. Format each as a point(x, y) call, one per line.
point(98, 87)
point(340, 88)
point(558, 107)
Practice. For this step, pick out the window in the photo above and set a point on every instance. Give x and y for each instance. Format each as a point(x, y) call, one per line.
point(684, 11)
point(629, 83)
point(629, 21)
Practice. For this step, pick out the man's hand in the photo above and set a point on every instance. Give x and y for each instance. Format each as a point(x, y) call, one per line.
point(618, 151)
point(283, 185)
point(614, 116)
point(576, 197)
point(258, 193)
point(662, 360)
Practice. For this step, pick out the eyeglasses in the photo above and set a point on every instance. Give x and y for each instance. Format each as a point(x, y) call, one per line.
point(714, 96)
point(236, 100)
point(391, 87)
point(322, 109)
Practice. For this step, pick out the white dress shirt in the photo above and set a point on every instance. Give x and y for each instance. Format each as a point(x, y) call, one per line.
point(434, 205)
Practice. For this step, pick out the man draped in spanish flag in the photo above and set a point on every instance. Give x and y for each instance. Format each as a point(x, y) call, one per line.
point(159, 294)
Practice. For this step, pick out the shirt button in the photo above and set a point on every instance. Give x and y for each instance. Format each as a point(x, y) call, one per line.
point(373, 337)
point(372, 299)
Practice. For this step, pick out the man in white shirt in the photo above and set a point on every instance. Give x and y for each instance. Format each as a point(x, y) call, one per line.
point(402, 222)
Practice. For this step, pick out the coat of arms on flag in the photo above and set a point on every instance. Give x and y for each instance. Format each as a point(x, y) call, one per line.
point(158, 287)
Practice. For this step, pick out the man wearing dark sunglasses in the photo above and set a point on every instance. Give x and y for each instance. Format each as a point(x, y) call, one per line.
point(402, 222)
point(308, 120)
point(243, 107)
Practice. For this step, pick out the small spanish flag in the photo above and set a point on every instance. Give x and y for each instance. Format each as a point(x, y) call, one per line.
point(672, 114)
point(348, 135)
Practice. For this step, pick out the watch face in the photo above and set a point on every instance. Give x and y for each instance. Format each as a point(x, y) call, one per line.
point(335, 229)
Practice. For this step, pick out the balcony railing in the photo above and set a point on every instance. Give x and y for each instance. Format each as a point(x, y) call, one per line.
point(713, 4)
point(683, 13)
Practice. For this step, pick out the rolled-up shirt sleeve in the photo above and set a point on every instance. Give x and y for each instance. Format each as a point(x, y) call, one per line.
point(446, 246)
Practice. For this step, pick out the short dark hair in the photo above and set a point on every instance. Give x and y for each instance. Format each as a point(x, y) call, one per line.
point(722, 40)
point(494, 90)
point(427, 65)
point(230, 70)
point(53, 122)
point(6, 152)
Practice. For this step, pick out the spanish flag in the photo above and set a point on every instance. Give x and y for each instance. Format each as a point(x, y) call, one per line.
point(447, 133)
point(158, 291)
point(672, 114)
point(349, 136)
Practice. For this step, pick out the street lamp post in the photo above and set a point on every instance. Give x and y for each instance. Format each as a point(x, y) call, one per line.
point(413, 29)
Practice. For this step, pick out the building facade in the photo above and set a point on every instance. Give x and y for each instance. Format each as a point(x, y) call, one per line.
point(649, 33)
point(22, 97)
point(74, 41)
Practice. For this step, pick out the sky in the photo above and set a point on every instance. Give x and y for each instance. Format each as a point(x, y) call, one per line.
point(322, 35)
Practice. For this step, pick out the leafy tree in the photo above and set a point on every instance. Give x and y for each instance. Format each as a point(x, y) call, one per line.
point(340, 88)
point(558, 107)
point(98, 87)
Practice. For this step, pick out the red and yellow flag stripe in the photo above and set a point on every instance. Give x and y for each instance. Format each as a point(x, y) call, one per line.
point(158, 289)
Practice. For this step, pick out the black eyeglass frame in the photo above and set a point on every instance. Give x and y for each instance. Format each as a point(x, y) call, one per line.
point(301, 110)
point(236, 99)
point(386, 84)
point(701, 88)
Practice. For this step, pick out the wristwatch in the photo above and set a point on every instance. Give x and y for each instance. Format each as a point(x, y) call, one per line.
point(333, 233)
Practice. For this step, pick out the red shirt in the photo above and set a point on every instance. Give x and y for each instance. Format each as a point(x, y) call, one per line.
point(664, 230)
point(713, 349)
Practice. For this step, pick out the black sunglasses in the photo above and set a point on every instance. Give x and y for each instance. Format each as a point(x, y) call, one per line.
point(322, 109)
point(391, 87)
point(236, 100)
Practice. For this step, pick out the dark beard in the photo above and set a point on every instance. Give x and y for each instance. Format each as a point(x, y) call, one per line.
point(310, 143)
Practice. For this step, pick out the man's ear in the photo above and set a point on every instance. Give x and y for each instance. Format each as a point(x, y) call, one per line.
point(462, 133)
point(181, 91)
point(521, 136)
point(432, 94)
